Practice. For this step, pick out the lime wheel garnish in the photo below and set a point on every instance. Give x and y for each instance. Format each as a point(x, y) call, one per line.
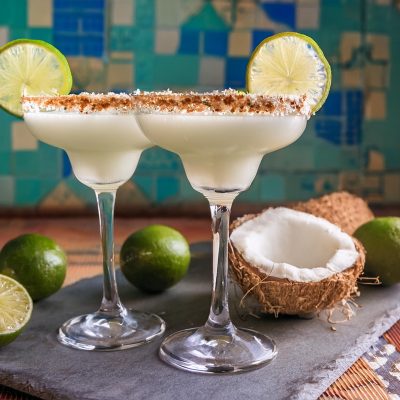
point(31, 68)
point(287, 64)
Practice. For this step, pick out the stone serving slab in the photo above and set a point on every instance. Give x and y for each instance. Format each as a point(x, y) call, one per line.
point(311, 355)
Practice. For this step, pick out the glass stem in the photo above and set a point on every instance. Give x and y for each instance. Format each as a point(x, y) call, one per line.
point(111, 303)
point(219, 319)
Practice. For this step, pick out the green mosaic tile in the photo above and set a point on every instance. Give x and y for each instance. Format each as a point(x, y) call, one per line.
point(26, 164)
point(18, 33)
point(27, 191)
point(351, 159)
point(326, 183)
point(327, 156)
point(292, 158)
point(121, 38)
point(187, 193)
point(5, 163)
point(253, 193)
point(272, 187)
point(14, 13)
point(326, 41)
point(47, 186)
point(381, 133)
point(206, 19)
point(50, 161)
point(379, 18)
point(180, 71)
point(300, 186)
point(7, 188)
point(5, 130)
point(146, 184)
point(392, 158)
point(347, 12)
point(83, 192)
point(144, 71)
point(45, 34)
point(158, 160)
point(143, 41)
point(145, 13)
point(167, 188)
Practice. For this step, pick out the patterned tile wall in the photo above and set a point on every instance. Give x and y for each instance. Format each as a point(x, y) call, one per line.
point(120, 45)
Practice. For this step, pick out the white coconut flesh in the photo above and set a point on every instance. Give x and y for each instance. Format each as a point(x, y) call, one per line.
point(294, 245)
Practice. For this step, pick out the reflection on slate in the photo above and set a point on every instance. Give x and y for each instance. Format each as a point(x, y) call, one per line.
point(310, 358)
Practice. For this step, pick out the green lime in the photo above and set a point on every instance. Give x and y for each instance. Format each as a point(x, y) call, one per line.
point(15, 309)
point(290, 63)
point(35, 261)
point(155, 258)
point(381, 239)
point(29, 68)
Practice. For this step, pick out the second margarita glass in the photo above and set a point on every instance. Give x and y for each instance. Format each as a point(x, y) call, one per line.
point(221, 138)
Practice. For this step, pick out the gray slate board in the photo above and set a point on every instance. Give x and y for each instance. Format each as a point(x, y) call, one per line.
point(310, 358)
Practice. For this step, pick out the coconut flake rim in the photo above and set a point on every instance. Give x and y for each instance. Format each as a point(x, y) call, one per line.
point(258, 247)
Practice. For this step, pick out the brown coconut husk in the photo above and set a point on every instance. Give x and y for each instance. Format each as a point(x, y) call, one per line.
point(282, 296)
point(343, 209)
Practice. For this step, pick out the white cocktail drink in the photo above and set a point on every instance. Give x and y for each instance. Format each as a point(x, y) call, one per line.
point(104, 148)
point(221, 153)
point(221, 138)
point(104, 144)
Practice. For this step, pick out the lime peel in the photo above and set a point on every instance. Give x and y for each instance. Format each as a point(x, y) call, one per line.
point(31, 67)
point(290, 63)
point(35, 261)
point(155, 258)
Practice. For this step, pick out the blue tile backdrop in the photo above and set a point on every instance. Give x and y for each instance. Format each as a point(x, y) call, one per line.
point(353, 143)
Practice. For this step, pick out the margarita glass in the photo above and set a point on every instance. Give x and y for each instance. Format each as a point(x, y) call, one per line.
point(221, 138)
point(104, 144)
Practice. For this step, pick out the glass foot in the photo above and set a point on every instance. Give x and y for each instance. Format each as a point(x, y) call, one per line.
point(100, 331)
point(197, 350)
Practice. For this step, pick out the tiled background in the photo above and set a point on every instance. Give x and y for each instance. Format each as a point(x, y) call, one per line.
point(353, 143)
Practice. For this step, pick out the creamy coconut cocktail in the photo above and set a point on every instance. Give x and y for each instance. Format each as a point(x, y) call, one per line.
point(99, 133)
point(104, 144)
point(221, 137)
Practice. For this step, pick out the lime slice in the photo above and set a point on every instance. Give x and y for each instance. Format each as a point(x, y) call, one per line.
point(290, 63)
point(15, 309)
point(31, 67)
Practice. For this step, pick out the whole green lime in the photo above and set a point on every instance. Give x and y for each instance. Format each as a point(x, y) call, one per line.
point(155, 258)
point(35, 261)
point(381, 239)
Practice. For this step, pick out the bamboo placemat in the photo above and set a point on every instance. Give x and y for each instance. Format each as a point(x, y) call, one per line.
point(375, 376)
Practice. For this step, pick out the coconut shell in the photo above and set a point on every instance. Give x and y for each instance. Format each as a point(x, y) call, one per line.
point(343, 209)
point(283, 296)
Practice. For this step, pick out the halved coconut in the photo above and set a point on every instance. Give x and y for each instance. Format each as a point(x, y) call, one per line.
point(341, 208)
point(294, 262)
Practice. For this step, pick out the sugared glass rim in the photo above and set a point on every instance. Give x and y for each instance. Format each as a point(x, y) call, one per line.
point(86, 103)
point(225, 102)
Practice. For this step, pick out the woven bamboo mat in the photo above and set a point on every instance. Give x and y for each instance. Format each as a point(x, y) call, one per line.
point(375, 376)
